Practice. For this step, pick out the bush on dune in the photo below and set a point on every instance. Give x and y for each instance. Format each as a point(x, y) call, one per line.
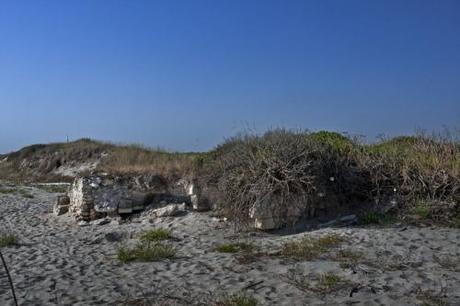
point(295, 166)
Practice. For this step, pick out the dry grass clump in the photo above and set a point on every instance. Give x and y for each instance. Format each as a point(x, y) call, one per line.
point(135, 159)
point(37, 162)
point(321, 283)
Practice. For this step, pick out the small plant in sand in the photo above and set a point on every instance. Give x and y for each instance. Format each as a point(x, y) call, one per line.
point(432, 297)
point(145, 251)
point(309, 248)
point(235, 247)
point(7, 240)
point(422, 210)
point(26, 194)
point(237, 299)
point(7, 190)
point(376, 218)
point(157, 234)
point(325, 283)
point(347, 258)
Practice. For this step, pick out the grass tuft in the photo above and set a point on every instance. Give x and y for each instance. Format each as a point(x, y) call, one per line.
point(237, 299)
point(154, 235)
point(310, 248)
point(145, 252)
point(235, 247)
point(7, 190)
point(7, 240)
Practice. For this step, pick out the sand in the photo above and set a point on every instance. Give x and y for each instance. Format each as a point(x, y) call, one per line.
point(58, 262)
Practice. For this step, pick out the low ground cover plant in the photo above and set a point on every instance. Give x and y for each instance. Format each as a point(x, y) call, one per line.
point(7, 239)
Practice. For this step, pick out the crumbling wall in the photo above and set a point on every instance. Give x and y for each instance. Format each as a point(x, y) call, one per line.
point(96, 196)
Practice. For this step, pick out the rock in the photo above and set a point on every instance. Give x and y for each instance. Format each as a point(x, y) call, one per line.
point(61, 206)
point(140, 200)
point(169, 210)
point(113, 237)
point(102, 221)
point(60, 209)
point(328, 224)
point(125, 206)
point(63, 200)
point(273, 213)
point(199, 205)
point(147, 221)
point(83, 223)
point(263, 217)
point(349, 219)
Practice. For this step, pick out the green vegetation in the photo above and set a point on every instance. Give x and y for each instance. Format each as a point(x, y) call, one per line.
point(154, 235)
point(144, 252)
point(376, 218)
point(7, 190)
point(26, 194)
point(310, 248)
point(237, 299)
point(322, 283)
point(289, 168)
point(149, 247)
point(7, 240)
point(422, 210)
point(327, 282)
point(235, 247)
point(282, 167)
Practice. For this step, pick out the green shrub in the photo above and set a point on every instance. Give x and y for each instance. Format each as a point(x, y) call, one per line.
point(285, 168)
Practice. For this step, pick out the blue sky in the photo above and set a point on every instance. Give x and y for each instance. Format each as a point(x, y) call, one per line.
point(185, 74)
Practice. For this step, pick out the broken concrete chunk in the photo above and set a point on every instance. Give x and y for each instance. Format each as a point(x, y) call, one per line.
point(170, 210)
point(125, 206)
point(60, 209)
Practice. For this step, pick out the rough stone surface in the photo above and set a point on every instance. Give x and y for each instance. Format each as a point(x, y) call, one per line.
point(169, 210)
point(273, 213)
point(101, 195)
point(60, 209)
point(61, 206)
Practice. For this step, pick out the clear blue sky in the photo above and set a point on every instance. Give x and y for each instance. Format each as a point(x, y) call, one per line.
point(185, 74)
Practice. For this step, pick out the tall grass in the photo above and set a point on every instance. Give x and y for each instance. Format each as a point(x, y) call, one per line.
point(135, 159)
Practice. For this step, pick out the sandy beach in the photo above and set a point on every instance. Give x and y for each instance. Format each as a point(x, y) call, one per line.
point(57, 262)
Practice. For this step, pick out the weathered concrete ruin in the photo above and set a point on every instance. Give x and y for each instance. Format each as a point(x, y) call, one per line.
point(101, 195)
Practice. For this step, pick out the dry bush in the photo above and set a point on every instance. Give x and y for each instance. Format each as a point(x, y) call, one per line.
point(253, 169)
point(289, 169)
